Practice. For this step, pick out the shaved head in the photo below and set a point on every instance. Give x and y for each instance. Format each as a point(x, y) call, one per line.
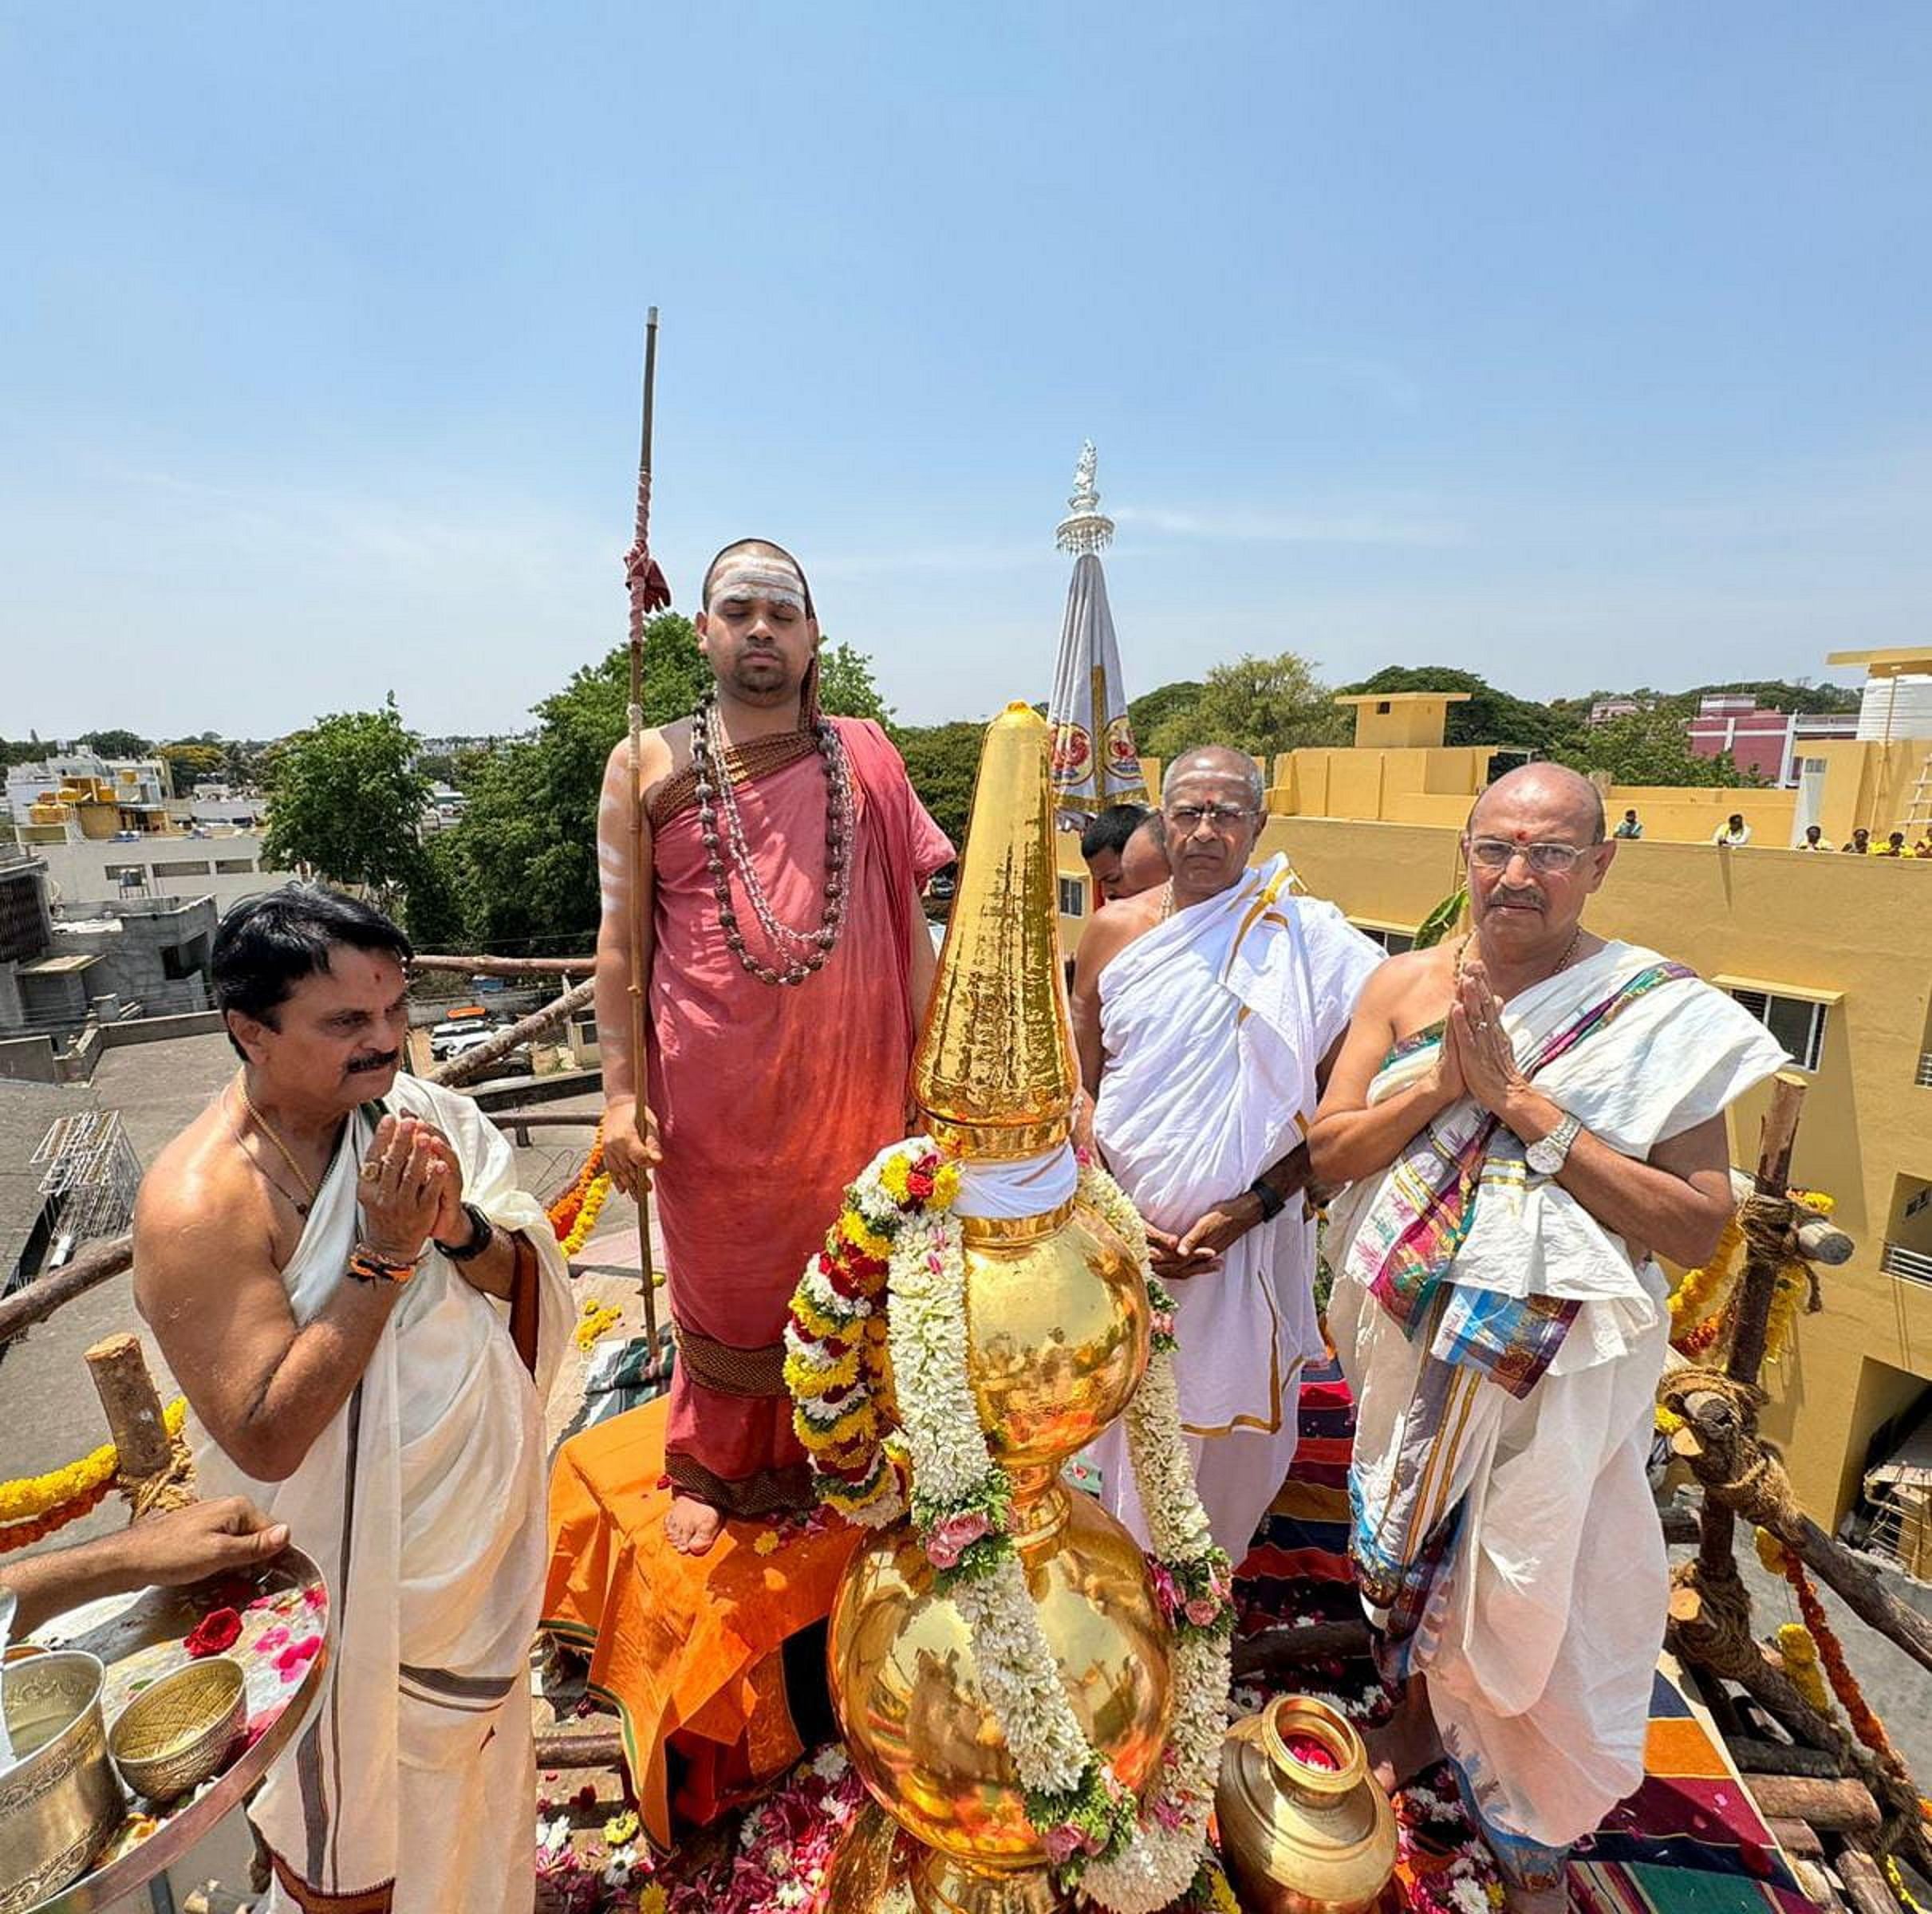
point(1554, 790)
point(1217, 761)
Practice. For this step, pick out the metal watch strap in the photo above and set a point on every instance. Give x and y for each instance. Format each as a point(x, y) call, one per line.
point(482, 1231)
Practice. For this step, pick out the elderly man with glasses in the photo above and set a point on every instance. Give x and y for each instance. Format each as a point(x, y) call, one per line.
point(1205, 1011)
point(1528, 1116)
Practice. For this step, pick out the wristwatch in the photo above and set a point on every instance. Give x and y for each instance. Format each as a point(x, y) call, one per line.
point(481, 1230)
point(1548, 1154)
point(1270, 1199)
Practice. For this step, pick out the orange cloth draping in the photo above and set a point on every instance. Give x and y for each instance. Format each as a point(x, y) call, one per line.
point(686, 1649)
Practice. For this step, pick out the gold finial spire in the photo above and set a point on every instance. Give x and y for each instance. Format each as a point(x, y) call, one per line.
point(994, 1071)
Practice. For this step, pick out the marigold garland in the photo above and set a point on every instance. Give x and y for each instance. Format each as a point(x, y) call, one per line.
point(564, 1212)
point(35, 1497)
point(1826, 1648)
point(24, 1535)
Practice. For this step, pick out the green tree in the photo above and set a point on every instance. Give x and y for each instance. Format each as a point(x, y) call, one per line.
point(345, 801)
point(1262, 706)
point(1147, 712)
point(438, 765)
point(115, 744)
point(943, 760)
point(1489, 716)
point(1648, 747)
point(845, 685)
point(189, 758)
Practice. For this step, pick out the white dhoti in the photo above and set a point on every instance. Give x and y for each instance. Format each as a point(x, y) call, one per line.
point(413, 1790)
point(1213, 1025)
point(1503, 1349)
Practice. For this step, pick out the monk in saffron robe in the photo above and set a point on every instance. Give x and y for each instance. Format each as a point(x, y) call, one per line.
point(788, 963)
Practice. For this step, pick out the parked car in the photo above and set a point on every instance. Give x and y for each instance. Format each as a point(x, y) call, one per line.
point(467, 1028)
point(517, 1062)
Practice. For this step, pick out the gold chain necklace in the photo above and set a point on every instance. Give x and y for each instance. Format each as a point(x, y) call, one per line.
point(268, 1130)
point(1576, 937)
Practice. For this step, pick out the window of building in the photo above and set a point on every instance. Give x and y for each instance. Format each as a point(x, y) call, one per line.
point(1073, 896)
point(1799, 1026)
point(1392, 937)
point(234, 867)
point(1908, 1237)
point(1795, 1016)
point(182, 867)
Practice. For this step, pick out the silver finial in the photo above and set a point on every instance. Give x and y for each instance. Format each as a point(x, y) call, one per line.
point(1088, 530)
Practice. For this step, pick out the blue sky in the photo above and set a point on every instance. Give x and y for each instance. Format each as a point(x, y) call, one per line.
point(1573, 344)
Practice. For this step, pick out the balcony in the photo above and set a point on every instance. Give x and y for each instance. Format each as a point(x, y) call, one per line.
point(1913, 1265)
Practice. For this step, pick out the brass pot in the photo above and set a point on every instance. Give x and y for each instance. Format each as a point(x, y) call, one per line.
point(60, 1803)
point(1057, 1334)
point(1298, 1839)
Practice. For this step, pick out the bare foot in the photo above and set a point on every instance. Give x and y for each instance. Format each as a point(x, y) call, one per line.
point(692, 1526)
point(1537, 1900)
point(1406, 1742)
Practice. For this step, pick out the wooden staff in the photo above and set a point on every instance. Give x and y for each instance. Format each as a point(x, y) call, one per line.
point(645, 581)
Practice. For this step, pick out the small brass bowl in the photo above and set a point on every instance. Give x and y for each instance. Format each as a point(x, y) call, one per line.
point(171, 1737)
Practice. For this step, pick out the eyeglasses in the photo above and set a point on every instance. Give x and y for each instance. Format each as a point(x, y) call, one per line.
point(1220, 816)
point(1548, 859)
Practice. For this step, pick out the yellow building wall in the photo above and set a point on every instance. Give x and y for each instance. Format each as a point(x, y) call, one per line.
point(1860, 927)
point(1408, 723)
point(1870, 784)
point(1684, 814)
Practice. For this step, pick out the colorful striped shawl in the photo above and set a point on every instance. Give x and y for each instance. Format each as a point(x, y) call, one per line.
point(1429, 1200)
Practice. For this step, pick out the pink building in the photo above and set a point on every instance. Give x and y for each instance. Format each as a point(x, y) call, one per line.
point(1769, 742)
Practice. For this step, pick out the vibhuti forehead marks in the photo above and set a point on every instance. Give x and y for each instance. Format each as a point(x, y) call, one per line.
point(752, 575)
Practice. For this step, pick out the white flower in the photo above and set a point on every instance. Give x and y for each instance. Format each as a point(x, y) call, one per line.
point(829, 1764)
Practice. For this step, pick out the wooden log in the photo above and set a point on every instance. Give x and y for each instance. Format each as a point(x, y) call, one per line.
point(557, 1750)
point(1755, 1294)
point(133, 1408)
point(1277, 1650)
point(546, 1120)
point(1819, 1239)
point(473, 1064)
point(1856, 1582)
point(1866, 1887)
point(96, 1264)
point(507, 966)
point(1796, 1837)
point(1832, 1807)
point(1814, 1884)
point(1756, 1756)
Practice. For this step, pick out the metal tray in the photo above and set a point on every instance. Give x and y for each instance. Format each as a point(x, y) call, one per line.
point(139, 1639)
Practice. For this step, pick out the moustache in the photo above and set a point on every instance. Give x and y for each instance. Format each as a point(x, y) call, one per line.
point(362, 1064)
point(1520, 900)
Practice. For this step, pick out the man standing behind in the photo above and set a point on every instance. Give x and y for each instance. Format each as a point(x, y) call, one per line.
point(1630, 827)
point(1814, 839)
point(1731, 832)
point(1858, 844)
point(320, 1255)
point(1103, 845)
point(1205, 1012)
point(1526, 1114)
point(787, 963)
